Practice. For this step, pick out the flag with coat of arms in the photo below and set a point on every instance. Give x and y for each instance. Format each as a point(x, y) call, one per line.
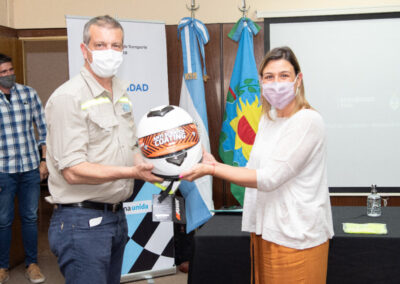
point(243, 107)
point(198, 194)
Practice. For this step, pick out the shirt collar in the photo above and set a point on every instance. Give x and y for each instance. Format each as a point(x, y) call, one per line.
point(119, 87)
point(94, 86)
point(11, 89)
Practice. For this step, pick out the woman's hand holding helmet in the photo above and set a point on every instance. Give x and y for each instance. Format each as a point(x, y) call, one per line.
point(206, 167)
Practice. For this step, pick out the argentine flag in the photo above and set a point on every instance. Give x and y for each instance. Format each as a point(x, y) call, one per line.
point(197, 194)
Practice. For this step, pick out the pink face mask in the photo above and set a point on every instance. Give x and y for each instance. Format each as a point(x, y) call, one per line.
point(279, 94)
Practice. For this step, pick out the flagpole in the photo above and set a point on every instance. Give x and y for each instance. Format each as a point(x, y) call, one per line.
point(244, 9)
point(192, 8)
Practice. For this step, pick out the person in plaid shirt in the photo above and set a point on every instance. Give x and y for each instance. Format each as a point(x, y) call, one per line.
point(21, 167)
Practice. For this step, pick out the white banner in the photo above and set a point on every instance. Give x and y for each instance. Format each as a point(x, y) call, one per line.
point(145, 61)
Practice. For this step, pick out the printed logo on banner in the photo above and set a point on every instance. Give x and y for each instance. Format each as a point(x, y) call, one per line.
point(137, 207)
point(135, 88)
point(138, 87)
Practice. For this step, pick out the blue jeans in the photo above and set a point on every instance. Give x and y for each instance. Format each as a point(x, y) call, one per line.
point(89, 244)
point(26, 186)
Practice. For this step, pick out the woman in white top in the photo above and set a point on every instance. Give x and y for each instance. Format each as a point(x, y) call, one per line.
point(286, 204)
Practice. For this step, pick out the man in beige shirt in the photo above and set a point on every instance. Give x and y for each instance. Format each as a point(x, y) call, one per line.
point(92, 157)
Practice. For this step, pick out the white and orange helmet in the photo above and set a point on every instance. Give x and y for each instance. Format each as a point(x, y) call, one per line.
point(168, 139)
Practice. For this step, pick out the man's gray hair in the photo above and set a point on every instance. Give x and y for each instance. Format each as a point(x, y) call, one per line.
point(101, 21)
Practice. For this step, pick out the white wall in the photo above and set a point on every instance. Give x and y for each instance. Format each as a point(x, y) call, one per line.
point(5, 13)
point(50, 13)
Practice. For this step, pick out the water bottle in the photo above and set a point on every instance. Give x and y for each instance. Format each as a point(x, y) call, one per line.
point(374, 203)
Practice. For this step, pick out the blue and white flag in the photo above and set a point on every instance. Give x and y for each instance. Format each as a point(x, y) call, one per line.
point(197, 194)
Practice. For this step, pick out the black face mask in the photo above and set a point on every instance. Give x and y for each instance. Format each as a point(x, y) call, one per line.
point(7, 81)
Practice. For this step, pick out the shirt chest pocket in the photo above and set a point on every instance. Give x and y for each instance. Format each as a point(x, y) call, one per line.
point(102, 127)
point(126, 124)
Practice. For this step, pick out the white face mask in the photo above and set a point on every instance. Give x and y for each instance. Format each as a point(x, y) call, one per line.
point(279, 94)
point(105, 63)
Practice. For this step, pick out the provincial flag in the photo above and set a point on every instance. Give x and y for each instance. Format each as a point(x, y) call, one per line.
point(243, 107)
point(197, 194)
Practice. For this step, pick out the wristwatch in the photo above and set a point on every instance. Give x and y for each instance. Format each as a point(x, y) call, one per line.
point(42, 159)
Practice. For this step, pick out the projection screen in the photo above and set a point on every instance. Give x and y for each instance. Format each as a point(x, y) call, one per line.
point(351, 73)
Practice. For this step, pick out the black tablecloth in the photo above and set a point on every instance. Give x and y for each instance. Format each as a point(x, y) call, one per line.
point(222, 251)
point(362, 258)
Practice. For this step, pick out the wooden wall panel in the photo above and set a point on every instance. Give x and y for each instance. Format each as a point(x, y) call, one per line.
point(259, 45)
point(228, 61)
point(174, 61)
point(46, 65)
point(56, 32)
point(8, 32)
point(214, 100)
point(361, 200)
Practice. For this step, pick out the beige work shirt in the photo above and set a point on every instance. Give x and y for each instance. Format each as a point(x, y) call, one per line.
point(85, 125)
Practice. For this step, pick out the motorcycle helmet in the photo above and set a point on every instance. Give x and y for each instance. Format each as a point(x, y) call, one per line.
point(168, 139)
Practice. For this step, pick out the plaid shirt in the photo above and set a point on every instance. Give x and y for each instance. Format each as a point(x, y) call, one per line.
point(18, 147)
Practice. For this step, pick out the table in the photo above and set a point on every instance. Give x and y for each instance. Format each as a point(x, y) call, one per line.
point(222, 252)
point(358, 258)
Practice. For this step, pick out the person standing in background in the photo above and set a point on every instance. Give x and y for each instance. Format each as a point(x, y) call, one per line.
point(93, 157)
point(21, 168)
point(286, 204)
